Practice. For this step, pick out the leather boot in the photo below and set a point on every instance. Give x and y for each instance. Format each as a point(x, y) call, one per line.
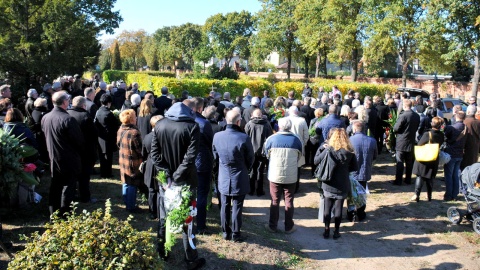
point(418, 188)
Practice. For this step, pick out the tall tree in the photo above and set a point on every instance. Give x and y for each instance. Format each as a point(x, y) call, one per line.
point(458, 21)
point(131, 46)
point(187, 38)
point(277, 27)
point(116, 58)
point(229, 34)
point(204, 51)
point(393, 27)
point(41, 38)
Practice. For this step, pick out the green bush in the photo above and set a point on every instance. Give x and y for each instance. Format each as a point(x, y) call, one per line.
point(365, 89)
point(116, 75)
point(89, 241)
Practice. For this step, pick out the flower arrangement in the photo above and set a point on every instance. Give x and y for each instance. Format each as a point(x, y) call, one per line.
point(116, 113)
point(390, 137)
point(277, 113)
point(12, 168)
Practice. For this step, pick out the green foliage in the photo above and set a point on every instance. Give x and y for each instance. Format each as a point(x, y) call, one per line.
point(226, 72)
point(365, 89)
point(94, 240)
point(187, 38)
point(200, 87)
point(116, 63)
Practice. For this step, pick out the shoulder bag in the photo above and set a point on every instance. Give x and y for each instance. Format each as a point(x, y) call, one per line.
point(324, 170)
point(427, 152)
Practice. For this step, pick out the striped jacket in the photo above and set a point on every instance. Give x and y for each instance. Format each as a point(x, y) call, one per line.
point(130, 157)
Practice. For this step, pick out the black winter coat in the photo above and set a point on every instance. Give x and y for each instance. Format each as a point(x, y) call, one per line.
point(428, 169)
point(119, 98)
point(406, 128)
point(64, 141)
point(309, 113)
point(90, 135)
point(107, 126)
point(339, 186)
point(259, 130)
point(162, 104)
point(143, 125)
point(149, 177)
point(455, 144)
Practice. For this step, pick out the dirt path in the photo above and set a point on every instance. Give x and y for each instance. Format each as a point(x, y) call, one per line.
point(396, 234)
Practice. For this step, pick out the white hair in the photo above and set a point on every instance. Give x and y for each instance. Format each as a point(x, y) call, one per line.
point(31, 92)
point(361, 112)
point(471, 110)
point(284, 124)
point(255, 101)
point(293, 110)
point(355, 103)
point(135, 99)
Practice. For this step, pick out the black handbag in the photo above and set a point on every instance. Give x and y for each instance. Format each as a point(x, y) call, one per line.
point(324, 170)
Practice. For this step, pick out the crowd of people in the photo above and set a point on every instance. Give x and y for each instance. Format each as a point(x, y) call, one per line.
point(226, 144)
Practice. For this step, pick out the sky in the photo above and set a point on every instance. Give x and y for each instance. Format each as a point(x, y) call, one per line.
point(153, 14)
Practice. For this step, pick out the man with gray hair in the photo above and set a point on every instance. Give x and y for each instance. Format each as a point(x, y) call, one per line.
point(227, 100)
point(29, 105)
point(247, 113)
point(65, 143)
point(90, 107)
point(299, 128)
point(284, 151)
point(234, 150)
point(89, 132)
point(472, 135)
point(162, 103)
point(259, 129)
point(5, 91)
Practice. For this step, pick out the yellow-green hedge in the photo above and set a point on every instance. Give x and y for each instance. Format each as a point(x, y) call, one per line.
point(198, 87)
point(365, 89)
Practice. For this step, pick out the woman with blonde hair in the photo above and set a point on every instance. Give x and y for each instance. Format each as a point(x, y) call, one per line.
point(335, 191)
point(144, 116)
point(130, 157)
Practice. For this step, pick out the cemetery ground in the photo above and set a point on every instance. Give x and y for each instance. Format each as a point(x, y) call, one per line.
point(397, 233)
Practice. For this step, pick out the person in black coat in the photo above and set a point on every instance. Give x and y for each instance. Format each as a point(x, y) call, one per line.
point(79, 112)
point(382, 117)
point(119, 97)
point(150, 173)
point(406, 128)
point(426, 171)
point(163, 103)
point(336, 190)
point(65, 142)
point(144, 116)
point(39, 110)
point(372, 118)
point(14, 125)
point(107, 126)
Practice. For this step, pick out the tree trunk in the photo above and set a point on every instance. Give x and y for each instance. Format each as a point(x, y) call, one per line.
point(404, 73)
point(325, 69)
point(289, 61)
point(307, 58)
point(476, 75)
point(354, 64)
point(317, 64)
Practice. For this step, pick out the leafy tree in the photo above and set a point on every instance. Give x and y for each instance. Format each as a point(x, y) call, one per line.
point(277, 27)
point(187, 39)
point(167, 54)
point(116, 59)
point(105, 59)
point(457, 20)
point(150, 52)
point(131, 47)
point(259, 52)
point(46, 38)
point(229, 34)
point(204, 51)
point(393, 27)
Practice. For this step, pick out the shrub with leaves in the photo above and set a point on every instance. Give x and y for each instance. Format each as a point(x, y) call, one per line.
point(89, 241)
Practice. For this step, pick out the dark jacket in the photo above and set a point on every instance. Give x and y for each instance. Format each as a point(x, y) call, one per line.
point(455, 139)
point(365, 152)
point(428, 169)
point(422, 126)
point(98, 95)
point(472, 142)
point(175, 145)
point(215, 126)
point(339, 186)
point(406, 129)
point(204, 160)
point(119, 98)
point(22, 132)
point(130, 154)
point(29, 107)
point(162, 103)
point(149, 177)
point(92, 108)
point(327, 123)
point(107, 125)
point(309, 113)
point(89, 132)
point(64, 141)
point(143, 125)
point(235, 152)
point(258, 129)
point(48, 97)
point(372, 120)
point(247, 113)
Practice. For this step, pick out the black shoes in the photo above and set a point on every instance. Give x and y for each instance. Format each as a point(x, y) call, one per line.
point(326, 234)
point(196, 264)
point(336, 235)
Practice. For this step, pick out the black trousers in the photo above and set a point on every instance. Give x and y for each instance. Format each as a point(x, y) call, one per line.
point(62, 191)
point(231, 211)
point(419, 184)
point(361, 211)
point(106, 160)
point(329, 204)
point(84, 183)
point(256, 175)
point(401, 158)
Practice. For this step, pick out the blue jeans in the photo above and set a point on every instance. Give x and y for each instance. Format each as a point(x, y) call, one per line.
point(204, 179)
point(452, 178)
point(129, 194)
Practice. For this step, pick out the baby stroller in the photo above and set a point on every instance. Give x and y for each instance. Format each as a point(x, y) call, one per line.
point(470, 175)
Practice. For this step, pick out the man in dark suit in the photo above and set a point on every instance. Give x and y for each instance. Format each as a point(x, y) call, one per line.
point(65, 142)
point(79, 112)
point(107, 126)
point(406, 129)
point(235, 152)
point(162, 103)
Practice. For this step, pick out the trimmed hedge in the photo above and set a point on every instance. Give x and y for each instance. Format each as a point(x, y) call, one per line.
point(365, 89)
point(116, 75)
point(198, 87)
